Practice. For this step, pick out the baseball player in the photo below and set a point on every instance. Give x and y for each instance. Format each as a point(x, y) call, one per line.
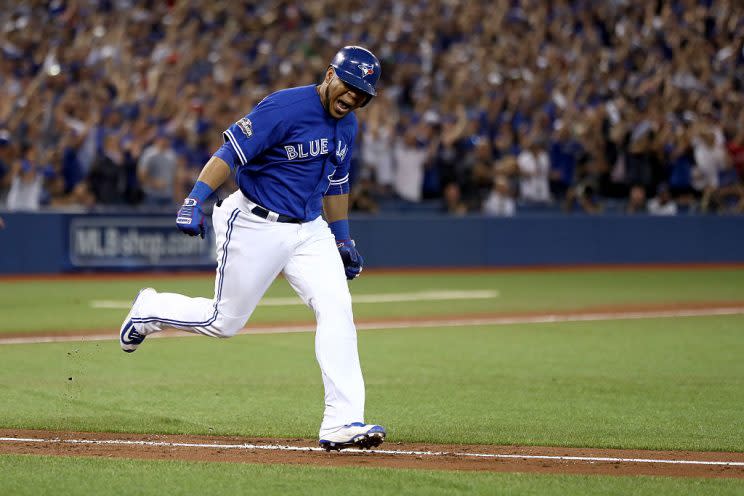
point(291, 158)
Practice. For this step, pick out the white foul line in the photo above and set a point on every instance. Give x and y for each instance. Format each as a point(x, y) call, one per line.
point(417, 324)
point(277, 447)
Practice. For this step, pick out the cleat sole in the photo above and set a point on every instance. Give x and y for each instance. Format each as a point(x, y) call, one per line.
point(363, 441)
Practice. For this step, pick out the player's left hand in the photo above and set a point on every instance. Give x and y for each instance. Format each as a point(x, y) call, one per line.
point(351, 258)
point(190, 218)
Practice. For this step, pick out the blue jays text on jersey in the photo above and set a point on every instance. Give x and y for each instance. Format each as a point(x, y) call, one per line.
point(291, 152)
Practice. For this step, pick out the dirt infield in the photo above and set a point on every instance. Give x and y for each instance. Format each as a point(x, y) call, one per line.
point(529, 459)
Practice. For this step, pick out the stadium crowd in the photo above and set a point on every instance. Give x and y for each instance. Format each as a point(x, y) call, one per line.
point(494, 106)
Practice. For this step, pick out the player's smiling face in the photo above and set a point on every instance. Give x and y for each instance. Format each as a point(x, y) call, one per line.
point(337, 97)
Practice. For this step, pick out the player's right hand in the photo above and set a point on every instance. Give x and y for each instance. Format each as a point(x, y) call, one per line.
point(190, 219)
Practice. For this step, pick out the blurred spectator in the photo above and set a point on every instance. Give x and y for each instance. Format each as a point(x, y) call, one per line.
point(582, 198)
point(377, 156)
point(564, 157)
point(637, 200)
point(534, 169)
point(481, 175)
point(732, 195)
point(662, 203)
point(735, 148)
point(643, 164)
point(500, 201)
point(108, 178)
point(6, 162)
point(412, 151)
point(26, 182)
point(449, 162)
point(711, 160)
point(453, 201)
point(504, 143)
point(681, 160)
point(157, 170)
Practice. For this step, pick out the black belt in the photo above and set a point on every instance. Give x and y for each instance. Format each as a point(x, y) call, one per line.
point(264, 214)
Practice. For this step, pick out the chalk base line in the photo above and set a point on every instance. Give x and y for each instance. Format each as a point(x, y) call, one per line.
point(393, 454)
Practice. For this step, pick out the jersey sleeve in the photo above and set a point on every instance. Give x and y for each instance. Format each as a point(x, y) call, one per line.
point(340, 179)
point(255, 132)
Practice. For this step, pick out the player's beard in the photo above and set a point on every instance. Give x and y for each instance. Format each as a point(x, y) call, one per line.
point(327, 100)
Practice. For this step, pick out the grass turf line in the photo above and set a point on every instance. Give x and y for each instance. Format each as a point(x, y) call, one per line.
point(32, 475)
point(65, 305)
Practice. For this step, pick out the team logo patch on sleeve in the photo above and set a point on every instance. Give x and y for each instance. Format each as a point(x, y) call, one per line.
point(341, 150)
point(246, 126)
point(367, 70)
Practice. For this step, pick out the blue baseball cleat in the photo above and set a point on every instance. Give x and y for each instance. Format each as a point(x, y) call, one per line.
point(354, 435)
point(129, 338)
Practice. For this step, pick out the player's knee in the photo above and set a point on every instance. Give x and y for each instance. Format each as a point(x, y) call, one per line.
point(227, 327)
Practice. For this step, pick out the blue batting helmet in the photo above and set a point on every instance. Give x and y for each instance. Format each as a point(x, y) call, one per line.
point(359, 68)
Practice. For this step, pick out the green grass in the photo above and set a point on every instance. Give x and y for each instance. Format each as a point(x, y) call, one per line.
point(652, 383)
point(33, 475)
point(648, 383)
point(65, 304)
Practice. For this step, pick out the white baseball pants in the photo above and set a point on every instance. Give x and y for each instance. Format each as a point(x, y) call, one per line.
point(251, 252)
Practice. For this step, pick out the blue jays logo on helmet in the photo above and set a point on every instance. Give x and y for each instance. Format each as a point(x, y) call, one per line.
point(358, 68)
point(367, 70)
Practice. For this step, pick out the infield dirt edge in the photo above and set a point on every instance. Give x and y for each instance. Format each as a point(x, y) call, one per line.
point(67, 443)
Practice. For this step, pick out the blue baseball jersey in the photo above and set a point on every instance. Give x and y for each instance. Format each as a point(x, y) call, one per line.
point(291, 152)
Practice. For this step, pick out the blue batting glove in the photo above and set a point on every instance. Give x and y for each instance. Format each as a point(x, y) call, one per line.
point(351, 258)
point(190, 219)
